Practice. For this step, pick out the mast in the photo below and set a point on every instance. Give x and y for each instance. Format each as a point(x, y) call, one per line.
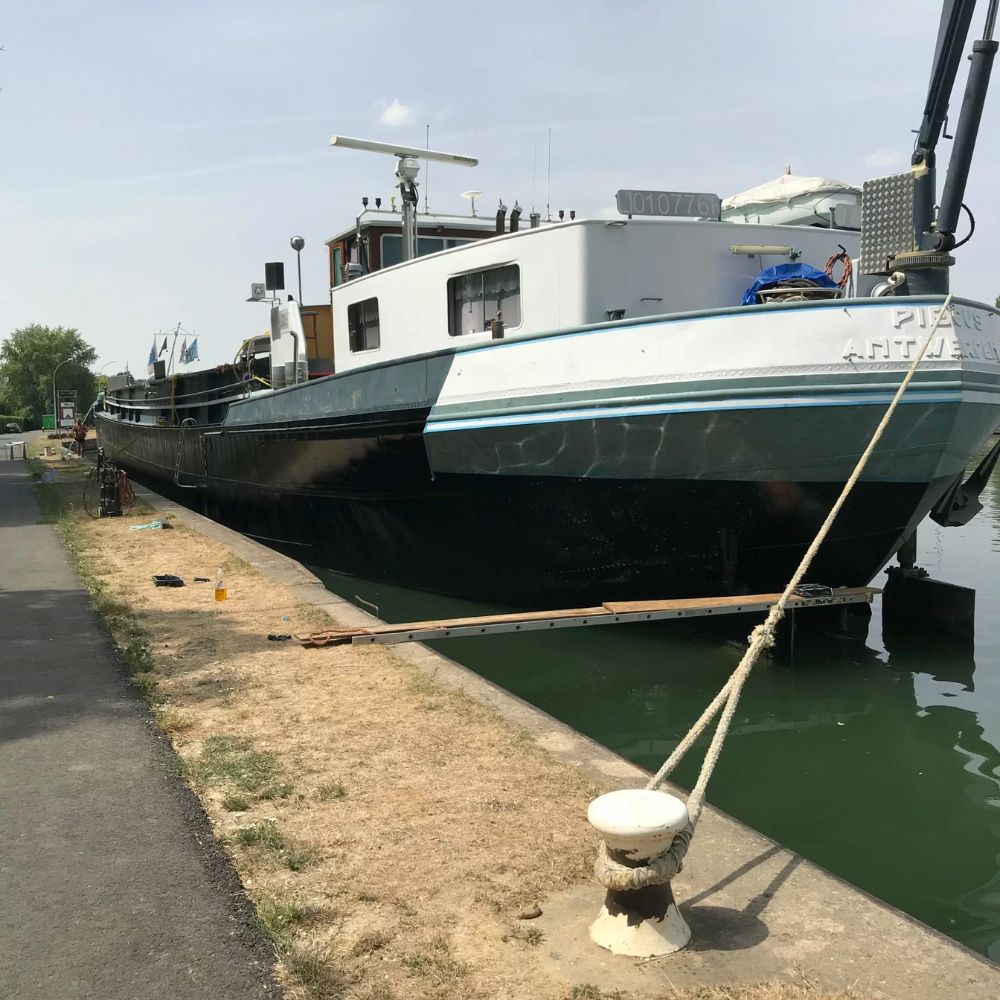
point(170, 365)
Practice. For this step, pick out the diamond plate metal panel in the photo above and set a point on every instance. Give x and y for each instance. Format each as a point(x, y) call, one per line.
point(886, 220)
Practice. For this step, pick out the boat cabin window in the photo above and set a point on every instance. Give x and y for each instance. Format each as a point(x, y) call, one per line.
point(362, 325)
point(338, 266)
point(391, 246)
point(474, 299)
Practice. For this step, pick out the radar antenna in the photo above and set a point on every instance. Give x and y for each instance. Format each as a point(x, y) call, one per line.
point(407, 168)
point(472, 196)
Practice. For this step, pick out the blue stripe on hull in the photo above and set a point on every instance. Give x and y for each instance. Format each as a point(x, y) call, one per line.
point(646, 409)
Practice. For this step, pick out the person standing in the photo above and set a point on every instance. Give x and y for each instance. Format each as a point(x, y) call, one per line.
point(79, 433)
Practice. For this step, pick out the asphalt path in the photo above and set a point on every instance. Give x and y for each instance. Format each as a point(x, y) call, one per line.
point(111, 885)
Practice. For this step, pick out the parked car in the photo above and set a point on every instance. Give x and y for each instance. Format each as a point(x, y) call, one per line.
point(12, 428)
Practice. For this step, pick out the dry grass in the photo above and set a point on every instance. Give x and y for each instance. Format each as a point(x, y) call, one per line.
point(314, 967)
point(762, 991)
point(279, 917)
point(387, 847)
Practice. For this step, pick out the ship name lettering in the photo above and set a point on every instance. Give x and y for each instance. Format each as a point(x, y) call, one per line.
point(881, 344)
point(901, 316)
point(904, 344)
point(987, 351)
point(944, 345)
point(982, 351)
point(969, 319)
point(945, 318)
point(878, 348)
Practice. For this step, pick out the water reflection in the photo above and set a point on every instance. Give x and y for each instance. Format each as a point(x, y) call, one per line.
point(877, 759)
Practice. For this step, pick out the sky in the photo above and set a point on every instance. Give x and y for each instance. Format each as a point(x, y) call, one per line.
point(155, 155)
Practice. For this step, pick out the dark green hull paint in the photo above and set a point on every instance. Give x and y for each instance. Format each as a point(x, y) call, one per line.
point(362, 500)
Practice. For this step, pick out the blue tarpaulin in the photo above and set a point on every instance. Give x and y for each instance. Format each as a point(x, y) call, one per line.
point(786, 272)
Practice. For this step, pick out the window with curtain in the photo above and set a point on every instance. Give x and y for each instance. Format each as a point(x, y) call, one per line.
point(362, 325)
point(474, 300)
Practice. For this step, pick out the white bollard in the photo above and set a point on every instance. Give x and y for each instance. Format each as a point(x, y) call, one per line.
point(639, 826)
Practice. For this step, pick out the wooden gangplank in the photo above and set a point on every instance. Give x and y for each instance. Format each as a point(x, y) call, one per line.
point(610, 613)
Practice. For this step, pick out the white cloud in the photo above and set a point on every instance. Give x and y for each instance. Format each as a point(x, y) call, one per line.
point(886, 158)
point(393, 113)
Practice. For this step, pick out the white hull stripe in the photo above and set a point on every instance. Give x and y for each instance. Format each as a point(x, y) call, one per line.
point(785, 402)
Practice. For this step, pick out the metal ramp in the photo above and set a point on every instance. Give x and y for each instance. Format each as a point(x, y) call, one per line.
point(610, 613)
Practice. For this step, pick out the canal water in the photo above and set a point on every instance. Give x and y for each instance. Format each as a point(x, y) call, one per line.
point(877, 758)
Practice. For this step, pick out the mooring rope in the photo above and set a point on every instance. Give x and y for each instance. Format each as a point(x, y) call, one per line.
point(763, 635)
point(614, 875)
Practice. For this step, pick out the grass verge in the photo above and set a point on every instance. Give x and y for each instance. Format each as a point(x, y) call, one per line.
point(314, 965)
point(62, 503)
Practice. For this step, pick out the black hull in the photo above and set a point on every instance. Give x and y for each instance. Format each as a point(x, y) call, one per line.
point(363, 502)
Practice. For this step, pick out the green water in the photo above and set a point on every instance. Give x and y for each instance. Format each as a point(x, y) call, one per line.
point(878, 760)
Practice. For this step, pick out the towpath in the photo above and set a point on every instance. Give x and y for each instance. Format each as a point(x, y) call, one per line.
point(110, 883)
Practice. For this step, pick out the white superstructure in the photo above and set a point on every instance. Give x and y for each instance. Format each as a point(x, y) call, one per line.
point(565, 275)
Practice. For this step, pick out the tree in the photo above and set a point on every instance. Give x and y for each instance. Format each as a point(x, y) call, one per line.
point(28, 358)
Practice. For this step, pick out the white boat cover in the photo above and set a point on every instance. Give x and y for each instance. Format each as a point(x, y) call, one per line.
point(785, 189)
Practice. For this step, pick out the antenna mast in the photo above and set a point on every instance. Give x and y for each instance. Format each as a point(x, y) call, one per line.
point(534, 174)
point(548, 186)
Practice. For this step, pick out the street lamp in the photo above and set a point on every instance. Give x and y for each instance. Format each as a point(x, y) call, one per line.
point(298, 243)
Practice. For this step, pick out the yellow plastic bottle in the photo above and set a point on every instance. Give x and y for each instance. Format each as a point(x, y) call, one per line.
point(221, 593)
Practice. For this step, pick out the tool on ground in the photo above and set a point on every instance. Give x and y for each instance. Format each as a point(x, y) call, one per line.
point(168, 580)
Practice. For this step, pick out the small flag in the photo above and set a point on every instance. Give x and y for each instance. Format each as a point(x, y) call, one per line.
point(192, 354)
point(184, 351)
point(164, 347)
point(152, 353)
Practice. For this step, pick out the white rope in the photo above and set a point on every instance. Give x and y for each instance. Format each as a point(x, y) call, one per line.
point(611, 873)
point(624, 878)
point(763, 635)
